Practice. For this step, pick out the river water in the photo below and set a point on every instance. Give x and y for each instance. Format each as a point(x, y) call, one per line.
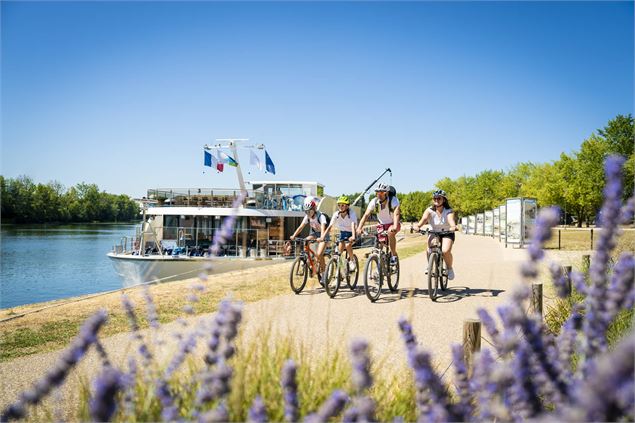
point(42, 263)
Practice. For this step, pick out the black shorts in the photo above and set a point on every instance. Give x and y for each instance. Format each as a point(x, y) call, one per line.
point(451, 236)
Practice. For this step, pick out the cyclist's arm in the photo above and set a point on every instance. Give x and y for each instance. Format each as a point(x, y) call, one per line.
point(396, 218)
point(360, 226)
point(297, 231)
point(451, 222)
point(353, 228)
point(424, 218)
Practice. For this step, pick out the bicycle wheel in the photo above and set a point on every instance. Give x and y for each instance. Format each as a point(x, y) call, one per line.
point(433, 276)
point(330, 279)
point(444, 275)
point(299, 275)
point(393, 281)
point(353, 275)
point(372, 278)
point(327, 257)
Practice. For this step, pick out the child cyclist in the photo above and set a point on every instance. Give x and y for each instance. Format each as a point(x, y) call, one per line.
point(317, 228)
point(345, 220)
point(440, 217)
point(388, 213)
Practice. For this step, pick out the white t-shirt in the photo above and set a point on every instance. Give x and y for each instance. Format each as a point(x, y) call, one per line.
point(385, 216)
point(344, 223)
point(314, 223)
point(439, 223)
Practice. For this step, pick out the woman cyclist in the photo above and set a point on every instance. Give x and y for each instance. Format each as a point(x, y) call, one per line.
point(388, 213)
point(317, 228)
point(440, 217)
point(345, 220)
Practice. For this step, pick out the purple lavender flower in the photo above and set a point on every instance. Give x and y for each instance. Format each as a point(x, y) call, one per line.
point(54, 378)
point(218, 414)
point(432, 401)
point(134, 326)
point(482, 385)
point(227, 227)
point(621, 290)
point(151, 308)
point(547, 219)
point(360, 361)
point(525, 395)
point(607, 392)
point(567, 340)
point(290, 391)
point(559, 280)
point(408, 336)
point(257, 412)
point(103, 355)
point(332, 407)
point(103, 403)
point(464, 407)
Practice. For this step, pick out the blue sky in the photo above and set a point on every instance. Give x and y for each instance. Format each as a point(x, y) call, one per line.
point(125, 94)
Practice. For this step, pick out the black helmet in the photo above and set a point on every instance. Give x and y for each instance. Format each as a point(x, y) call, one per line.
point(440, 193)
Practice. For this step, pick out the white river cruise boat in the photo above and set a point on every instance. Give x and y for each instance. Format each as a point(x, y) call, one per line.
point(178, 227)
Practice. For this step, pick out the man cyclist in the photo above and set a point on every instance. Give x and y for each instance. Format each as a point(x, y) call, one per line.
point(388, 214)
point(440, 217)
point(317, 228)
point(345, 220)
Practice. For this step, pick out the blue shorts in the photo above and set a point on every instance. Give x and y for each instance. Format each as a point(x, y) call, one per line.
point(345, 235)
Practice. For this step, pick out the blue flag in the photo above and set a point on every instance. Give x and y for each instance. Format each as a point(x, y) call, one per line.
point(269, 164)
point(208, 159)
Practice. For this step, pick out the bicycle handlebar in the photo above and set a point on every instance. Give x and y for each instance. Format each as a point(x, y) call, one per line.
point(298, 239)
point(433, 232)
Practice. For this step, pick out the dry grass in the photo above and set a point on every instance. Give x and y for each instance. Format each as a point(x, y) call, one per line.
point(580, 239)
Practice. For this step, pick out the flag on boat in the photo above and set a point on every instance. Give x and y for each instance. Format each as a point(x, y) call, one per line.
point(208, 159)
point(219, 163)
point(226, 158)
point(269, 164)
point(254, 160)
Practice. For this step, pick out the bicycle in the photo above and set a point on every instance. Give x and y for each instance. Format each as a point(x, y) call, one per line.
point(437, 269)
point(304, 266)
point(338, 269)
point(378, 268)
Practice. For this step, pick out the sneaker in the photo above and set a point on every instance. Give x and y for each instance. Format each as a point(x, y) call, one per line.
point(351, 265)
point(450, 274)
point(393, 260)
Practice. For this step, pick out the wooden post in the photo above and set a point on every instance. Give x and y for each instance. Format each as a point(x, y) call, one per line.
point(536, 298)
point(567, 278)
point(591, 238)
point(586, 262)
point(559, 239)
point(471, 342)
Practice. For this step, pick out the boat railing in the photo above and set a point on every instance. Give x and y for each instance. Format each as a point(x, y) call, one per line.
point(224, 198)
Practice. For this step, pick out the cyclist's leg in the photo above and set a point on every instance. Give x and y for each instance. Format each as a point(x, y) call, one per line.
point(320, 254)
point(392, 241)
point(446, 247)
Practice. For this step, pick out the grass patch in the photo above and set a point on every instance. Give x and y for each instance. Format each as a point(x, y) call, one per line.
point(26, 340)
point(580, 239)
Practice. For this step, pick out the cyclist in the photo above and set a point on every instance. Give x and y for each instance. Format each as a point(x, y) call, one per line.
point(345, 220)
point(440, 217)
point(317, 227)
point(388, 212)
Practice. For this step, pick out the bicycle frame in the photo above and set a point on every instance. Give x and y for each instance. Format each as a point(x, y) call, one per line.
point(309, 255)
point(380, 254)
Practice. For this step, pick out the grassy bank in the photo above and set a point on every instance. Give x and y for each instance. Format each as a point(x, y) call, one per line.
point(47, 329)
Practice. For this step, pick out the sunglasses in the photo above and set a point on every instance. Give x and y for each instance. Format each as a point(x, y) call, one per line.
point(437, 198)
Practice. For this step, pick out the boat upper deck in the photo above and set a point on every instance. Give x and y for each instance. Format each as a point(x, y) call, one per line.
point(267, 195)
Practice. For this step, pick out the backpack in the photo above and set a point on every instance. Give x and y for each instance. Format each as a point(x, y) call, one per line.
point(328, 218)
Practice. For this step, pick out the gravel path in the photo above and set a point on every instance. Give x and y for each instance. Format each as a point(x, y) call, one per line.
point(485, 273)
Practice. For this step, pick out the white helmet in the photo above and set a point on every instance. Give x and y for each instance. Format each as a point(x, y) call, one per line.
point(309, 203)
point(381, 187)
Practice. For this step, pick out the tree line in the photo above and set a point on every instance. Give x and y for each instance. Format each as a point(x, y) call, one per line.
point(574, 182)
point(23, 201)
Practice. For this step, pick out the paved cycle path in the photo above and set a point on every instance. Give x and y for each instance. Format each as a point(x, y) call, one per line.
point(485, 274)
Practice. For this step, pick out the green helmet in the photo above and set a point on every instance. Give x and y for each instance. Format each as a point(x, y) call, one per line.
point(343, 200)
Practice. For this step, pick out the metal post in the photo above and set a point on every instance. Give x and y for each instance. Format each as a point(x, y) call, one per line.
point(536, 298)
point(471, 342)
point(559, 240)
point(591, 238)
point(567, 278)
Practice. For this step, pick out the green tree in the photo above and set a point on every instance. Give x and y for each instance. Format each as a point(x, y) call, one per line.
point(619, 134)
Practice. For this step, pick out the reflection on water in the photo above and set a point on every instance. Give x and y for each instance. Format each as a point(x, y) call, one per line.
point(42, 263)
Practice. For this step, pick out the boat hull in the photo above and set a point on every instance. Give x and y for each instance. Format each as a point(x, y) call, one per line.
point(135, 269)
